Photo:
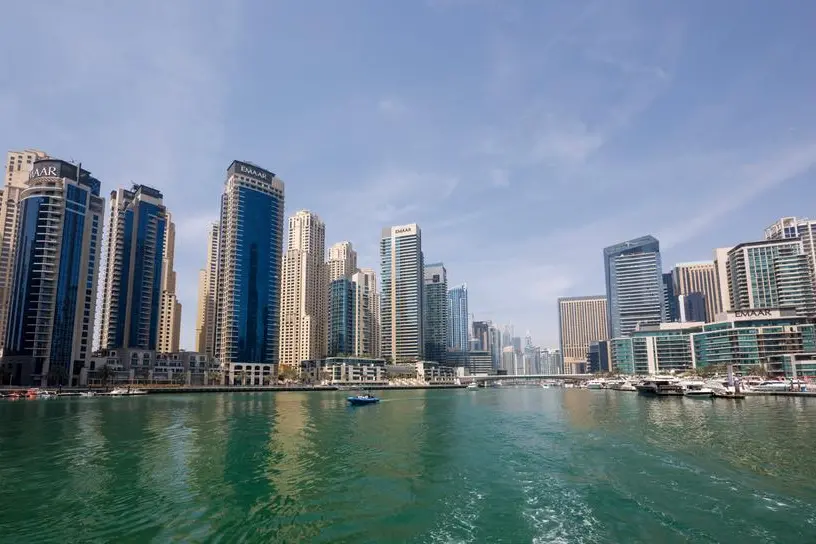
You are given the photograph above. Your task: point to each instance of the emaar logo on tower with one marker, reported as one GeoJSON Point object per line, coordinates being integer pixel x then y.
{"type": "Point", "coordinates": [254, 172]}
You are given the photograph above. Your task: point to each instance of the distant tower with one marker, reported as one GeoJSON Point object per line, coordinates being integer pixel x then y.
{"type": "Point", "coordinates": [366, 309]}
{"type": "Point", "coordinates": [170, 311]}
{"type": "Point", "coordinates": [634, 285]}
{"type": "Point", "coordinates": [458, 335]}
{"type": "Point", "coordinates": [341, 266]}
{"type": "Point", "coordinates": [207, 293]}
{"type": "Point", "coordinates": [435, 310]}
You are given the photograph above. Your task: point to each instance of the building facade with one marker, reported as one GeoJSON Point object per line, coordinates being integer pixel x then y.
{"type": "Point", "coordinates": [481, 334]}
{"type": "Point", "coordinates": [797, 228]}
{"type": "Point", "coordinates": [702, 278]}
{"type": "Point", "coordinates": [634, 285]}
{"type": "Point", "coordinates": [342, 261]}
{"type": "Point", "coordinates": [401, 262]}
{"type": "Point", "coordinates": [170, 307]}
{"type": "Point", "coordinates": [17, 169]}
{"type": "Point", "coordinates": [692, 307]}
{"type": "Point", "coordinates": [749, 340]}
{"type": "Point", "coordinates": [495, 346]}
{"type": "Point", "coordinates": [770, 274]}
{"type": "Point", "coordinates": [581, 321]}
{"type": "Point", "coordinates": [304, 296]}
{"type": "Point", "coordinates": [341, 318]}
{"type": "Point", "coordinates": [53, 289]}
{"type": "Point", "coordinates": [249, 264]}
{"type": "Point", "coordinates": [435, 312]}
{"type": "Point", "coordinates": [366, 324]}
{"type": "Point", "coordinates": [207, 295]}
{"type": "Point", "coordinates": [671, 312]}
{"type": "Point", "coordinates": [132, 289]}
{"type": "Point", "coordinates": [458, 319]}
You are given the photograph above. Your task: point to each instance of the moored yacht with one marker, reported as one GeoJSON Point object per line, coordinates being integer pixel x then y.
{"type": "Point", "coordinates": [661, 386]}
{"type": "Point", "coordinates": [697, 389]}
{"type": "Point", "coordinates": [596, 384]}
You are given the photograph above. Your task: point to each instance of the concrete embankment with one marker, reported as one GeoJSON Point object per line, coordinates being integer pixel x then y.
{"type": "Point", "coordinates": [781, 393]}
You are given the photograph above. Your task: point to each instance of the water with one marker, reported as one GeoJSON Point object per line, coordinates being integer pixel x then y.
{"type": "Point", "coordinates": [502, 465]}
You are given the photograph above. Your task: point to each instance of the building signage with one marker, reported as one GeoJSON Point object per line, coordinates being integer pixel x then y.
{"type": "Point", "coordinates": [754, 313]}
{"type": "Point", "coordinates": [402, 230]}
{"type": "Point", "coordinates": [53, 169]}
{"type": "Point", "coordinates": [250, 170]}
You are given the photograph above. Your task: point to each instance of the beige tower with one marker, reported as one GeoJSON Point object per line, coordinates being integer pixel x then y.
{"type": "Point", "coordinates": [366, 313]}
{"type": "Point", "coordinates": [170, 310]}
{"type": "Point", "coordinates": [342, 261]}
{"type": "Point", "coordinates": [304, 293]}
{"type": "Point", "coordinates": [18, 166]}
{"type": "Point", "coordinates": [699, 278]}
{"type": "Point", "coordinates": [581, 321]}
{"type": "Point", "coordinates": [721, 271]}
{"type": "Point", "coordinates": [207, 283]}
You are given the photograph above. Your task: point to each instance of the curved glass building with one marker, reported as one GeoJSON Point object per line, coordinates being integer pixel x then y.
{"type": "Point", "coordinates": [51, 310]}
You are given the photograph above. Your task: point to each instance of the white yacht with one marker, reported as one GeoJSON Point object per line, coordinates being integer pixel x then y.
{"type": "Point", "coordinates": [697, 389]}
{"type": "Point", "coordinates": [472, 385]}
{"type": "Point", "coordinates": [596, 384]}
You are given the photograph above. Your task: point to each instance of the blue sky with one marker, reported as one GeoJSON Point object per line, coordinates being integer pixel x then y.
{"type": "Point", "coordinates": [523, 137]}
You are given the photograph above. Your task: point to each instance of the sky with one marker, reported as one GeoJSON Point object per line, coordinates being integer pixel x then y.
{"type": "Point", "coordinates": [523, 137]}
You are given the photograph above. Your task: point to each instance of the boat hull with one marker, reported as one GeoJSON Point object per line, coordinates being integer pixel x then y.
{"type": "Point", "coordinates": [359, 401]}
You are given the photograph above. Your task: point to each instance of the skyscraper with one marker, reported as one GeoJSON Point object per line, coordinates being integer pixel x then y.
{"type": "Point", "coordinates": [341, 266]}
{"type": "Point", "coordinates": [131, 303]}
{"type": "Point", "coordinates": [771, 274]}
{"type": "Point", "coordinates": [435, 312]}
{"type": "Point", "coordinates": [495, 346]}
{"type": "Point", "coordinates": [366, 327]}
{"type": "Point", "coordinates": [721, 270]}
{"type": "Point", "coordinates": [170, 311]}
{"type": "Point", "coordinates": [581, 321]}
{"type": "Point", "coordinates": [671, 311]}
{"type": "Point", "coordinates": [634, 288]}
{"type": "Point", "coordinates": [458, 327]}
{"type": "Point", "coordinates": [18, 166]}
{"type": "Point", "coordinates": [481, 333]}
{"type": "Point", "coordinates": [53, 291]}
{"type": "Point", "coordinates": [249, 263]}
{"type": "Point", "coordinates": [699, 277]}
{"type": "Point", "coordinates": [796, 227]}
{"type": "Point", "coordinates": [207, 295]}
{"type": "Point", "coordinates": [304, 297]}
{"type": "Point", "coordinates": [342, 261]}
{"type": "Point", "coordinates": [401, 262]}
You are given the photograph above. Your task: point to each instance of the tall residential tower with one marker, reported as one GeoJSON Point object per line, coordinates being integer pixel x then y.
{"type": "Point", "coordinates": [304, 298]}
{"type": "Point", "coordinates": [634, 285]}
{"type": "Point", "coordinates": [366, 326]}
{"type": "Point", "coordinates": [435, 311]}
{"type": "Point", "coordinates": [132, 292]}
{"type": "Point", "coordinates": [207, 293]}
{"type": "Point", "coordinates": [401, 262]}
{"type": "Point", "coordinates": [18, 168]}
{"type": "Point", "coordinates": [53, 291]}
{"type": "Point", "coordinates": [249, 263]}
{"type": "Point", "coordinates": [581, 321]}
{"type": "Point", "coordinates": [458, 319]}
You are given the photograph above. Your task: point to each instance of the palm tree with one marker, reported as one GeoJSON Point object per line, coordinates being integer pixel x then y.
{"type": "Point", "coordinates": [105, 374]}
{"type": "Point", "coordinates": [214, 376]}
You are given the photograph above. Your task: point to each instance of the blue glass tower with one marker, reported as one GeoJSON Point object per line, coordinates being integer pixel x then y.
{"type": "Point", "coordinates": [51, 312]}
{"type": "Point", "coordinates": [132, 291]}
{"type": "Point", "coordinates": [458, 335]}
{"type": "Point", "coordinates": [341, 317]}
{"type": "Point", "coordinates": [249, 267]}
{"type": "Point", "coordinates": [634, 285]}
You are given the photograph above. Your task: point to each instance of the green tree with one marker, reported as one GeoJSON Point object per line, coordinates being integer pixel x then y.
{"type": "Point", "coordinates": [105, 375]}
{"type": "Point", "coordinates": [214, 377]}
{"type": "Point", "coordinates": [287, 373]}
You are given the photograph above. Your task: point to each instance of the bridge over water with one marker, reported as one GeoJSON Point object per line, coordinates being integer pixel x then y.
{"type": "Point", "coordinates": [467, 379]}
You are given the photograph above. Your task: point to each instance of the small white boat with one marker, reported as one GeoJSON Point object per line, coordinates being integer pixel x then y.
{"type": "Point", "coordinates": [117, 392]}
{"type": "Point", "coordinates": [545, 386]}
{"type": "Point", "coordinates": [596, 384]}
{"type": "Point", "coordinates": [698, 392]}
{"type": "Point", "coordinates": [137, 392]}
{"type": "Point", "coordinates": [87, 394]}
{"type": "Point", "coordinates": [473, 385]}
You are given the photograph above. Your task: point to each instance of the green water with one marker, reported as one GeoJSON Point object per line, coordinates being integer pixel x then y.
{"type": "Point", "coordinates": [503, 465]}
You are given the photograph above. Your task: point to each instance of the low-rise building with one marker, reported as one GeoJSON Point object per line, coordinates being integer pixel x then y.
{"type": "Point", "coordinates": [747, 339]}
{"type": "Point", "coordinates": [149, 366]}
{"type": "Point", "coordinates": [345, 371]}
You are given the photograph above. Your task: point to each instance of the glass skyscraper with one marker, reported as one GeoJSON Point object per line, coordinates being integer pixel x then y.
{"type": "Point", "coordinates": [341, 318]}
{"type": "Point", "coordinates": [51, 310]}
{"type": "Point", "coordinates": [634, 285]}
{"type": "Point", "coordinates": [436, 312]}
{"type": "Point", "coordinates": [458, 327]}
{"type": "Point", "coordinates": [401, 318]}
{"type": "Point", "coordinates": [249, 264]}
{"type": "Point", "coordinates": [133, 280]}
